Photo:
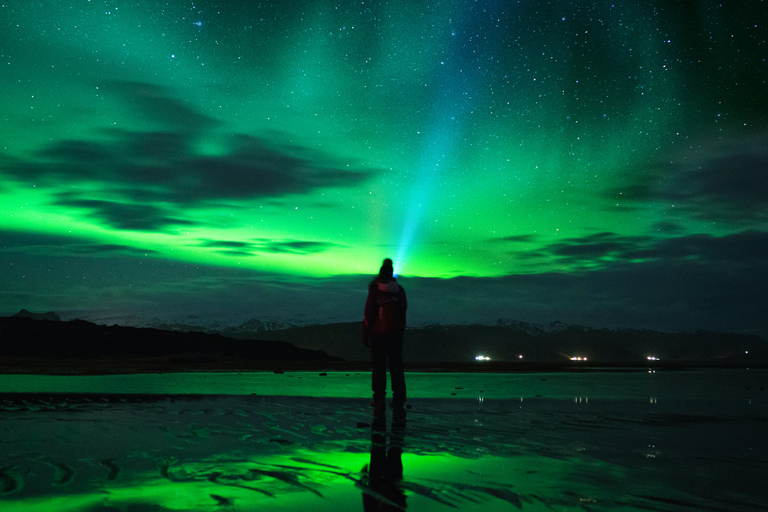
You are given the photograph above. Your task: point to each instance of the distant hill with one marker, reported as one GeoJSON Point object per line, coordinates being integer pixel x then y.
{"type": "Point", "coordinates": [38, 316]}
{"type": "Point", "coordinates": [241, 342]}
{"type": "Point", "coordinates": [32, 340]}
{"type": "Point", "coordinates": [556, 343]}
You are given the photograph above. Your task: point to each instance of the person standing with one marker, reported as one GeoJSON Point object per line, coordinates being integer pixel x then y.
{"type": "Point", "coordinates": [383, 329]}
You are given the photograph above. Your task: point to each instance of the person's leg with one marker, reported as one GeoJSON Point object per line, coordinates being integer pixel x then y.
{"type": "Point", "coordinates": [395, 356]}
{"type": "Point", "coordinates": [379, 371]}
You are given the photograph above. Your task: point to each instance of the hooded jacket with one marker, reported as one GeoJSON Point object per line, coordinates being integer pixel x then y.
{"type": "Point", "coordinates": [381, 291]}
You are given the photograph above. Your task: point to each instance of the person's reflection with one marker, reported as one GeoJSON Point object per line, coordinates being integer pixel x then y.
{"type": "Point", "coordinates": [382, 477]}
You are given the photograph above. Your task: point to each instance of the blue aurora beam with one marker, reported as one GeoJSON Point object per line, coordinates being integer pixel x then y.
{"type": "Point", "coordinates": [457, 86]}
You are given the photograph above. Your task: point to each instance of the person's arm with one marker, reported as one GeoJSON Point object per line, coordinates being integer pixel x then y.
{"type": "Point", "coordinates": [370, 315]}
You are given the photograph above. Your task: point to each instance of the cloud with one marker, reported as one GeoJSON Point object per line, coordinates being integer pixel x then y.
{"type": "Point", "coordinates": [263, 245]}
{"type": "Point", "coordinates": [671, 228]}
{"type": "Point", "coordinates": [597, 247]}
{"type": "Point", "coordinates": [33, 244]}
{"type": "Point", "coordinates": [606, 248]}
{"type": "Point", "coordinates": [155, 104]}
{"type": "Point", "coordinates": [133, 171]}
{"type": "Point", "coordinates": [132, 217]}
{"type": "Point", "coordinates": [721, 289]}
{"type": "Point", "coordinates": [226, 244]}
{"type": "Point", "coordinates": [745, 247]}
{"type": "Point", "coordinates": [296, 246]}
{"type": "Point", "coordinates": [515, 238]}
{"type": "Point", "coordinates": [724, 181]}
{"type": "Point", "coordinates": [671, 295]}
{"type": "Point", "coordinates": [165, 167]}
{"type": "Point", "coordinates": [118, 175]}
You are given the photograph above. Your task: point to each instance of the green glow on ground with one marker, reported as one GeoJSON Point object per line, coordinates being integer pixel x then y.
{"type": "Point", "coordinates": [432, 482]}
{"type": "Point", "coordinates": [610, 449]}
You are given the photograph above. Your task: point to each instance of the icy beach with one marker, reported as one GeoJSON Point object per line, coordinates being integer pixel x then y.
{"type": "Point", "coordinates": [662, 441]}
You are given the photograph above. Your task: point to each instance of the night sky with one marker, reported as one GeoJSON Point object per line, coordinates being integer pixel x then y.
{"type": "Point", "coordinates": [595, 163]}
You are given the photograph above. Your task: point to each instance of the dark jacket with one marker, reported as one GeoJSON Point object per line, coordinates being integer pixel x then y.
{"type": "Point", "coordinates": [379, 292]}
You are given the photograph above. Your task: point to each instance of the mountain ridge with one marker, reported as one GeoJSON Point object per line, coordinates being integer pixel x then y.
{"type": "Point", "coordinates": [43, 342]}
{"type": "Point", "coordinates": [548, 344]}
{"type": "Point", "coordinates": [502, 340]}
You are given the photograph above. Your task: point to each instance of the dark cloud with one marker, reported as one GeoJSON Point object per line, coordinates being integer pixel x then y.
{"type": "Point", "coordinates": [599, 246]}
{"type": "Point", "coordinates": [139, 169]}
{"type": "Point", "coordinates": [132, 217]}
{"type": "Point", "coordinates": [687, 282]}
{"type": "Point", "coordinates": [226, 244]}
{"type": "Point", "coordinates": [606, 248]}
{"type": "Point", "coordinates": [515, 238]}
{"type": "Point", "coordinates": [296, 246]}
{"type": "Point", "coordinates": [136, 168]}
{"type": "Point", "coordinates": [732, 188]}
{"type": "Point", "coordinates": [670, 295]}
{"type": "Point", "coordinates": [725, 181]}
{"type": "Point", "coordinates": [745, 247]}
{"type": "Point", "coordinates": [263, 245]}
{"type": "Point", "coordinates": [671, 228]}
{"type": "Point", "coordinates": [32, 244]}
{"type": "Point", "coordinates": [156, 104]}
{"type": "Point", "coordinates": [230, 247]}
{"type": "Point", "coordinates": [109, 249]}
{"type": "Point", "coordinates": [721, 289]}
{"type": "Point", "coordinates": [156, 166]}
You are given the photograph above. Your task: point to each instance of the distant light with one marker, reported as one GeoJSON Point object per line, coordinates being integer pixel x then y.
{"type": "Point", "coordinates": [482, 358]}
{"type": "Point", "coordinates": [577, 358]}
{"type": "Point", "coordinates": [652, 358]}
{"type": "Point", "coordinates": [520, 356]}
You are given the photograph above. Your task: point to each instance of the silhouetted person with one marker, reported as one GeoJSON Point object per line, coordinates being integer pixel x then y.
{"type": "Point", "coordinates": [383, 328]}
{"type": "Point", "coordinates": [381, 478]}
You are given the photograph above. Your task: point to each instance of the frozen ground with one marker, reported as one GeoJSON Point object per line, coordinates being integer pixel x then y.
{"type": "Point", "coordinates": [662, 441]}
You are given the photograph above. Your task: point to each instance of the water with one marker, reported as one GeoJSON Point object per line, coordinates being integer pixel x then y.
{"type": "Point", "coordinates": [622, 385]}
{"type": "Point", "coordinates": [664, 441]}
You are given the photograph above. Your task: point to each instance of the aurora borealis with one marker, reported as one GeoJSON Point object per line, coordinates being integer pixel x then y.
{"type": "Point", "coordinates": [599, 163]}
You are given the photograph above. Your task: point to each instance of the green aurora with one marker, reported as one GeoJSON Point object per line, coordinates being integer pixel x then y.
{"type": "Point", "coordinates": [142, 142]}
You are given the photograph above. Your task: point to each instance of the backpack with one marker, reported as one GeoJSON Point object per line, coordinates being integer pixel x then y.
{"type": "Point", "coordinates": [391, 316]}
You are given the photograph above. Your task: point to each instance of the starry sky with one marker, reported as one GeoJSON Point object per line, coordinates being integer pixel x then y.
{"type": "Point", "coordinates": [596, 163]}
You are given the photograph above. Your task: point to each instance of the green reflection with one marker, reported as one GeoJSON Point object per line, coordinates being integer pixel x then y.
{"type": "Point", "coordinates": [215, 453]}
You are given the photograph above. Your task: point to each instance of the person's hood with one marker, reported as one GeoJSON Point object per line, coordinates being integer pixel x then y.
{"type": "Point", "coordinates": [389, 287]}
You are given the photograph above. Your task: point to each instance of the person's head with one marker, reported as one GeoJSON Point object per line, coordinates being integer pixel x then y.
{"type": "Point", "coordinates": [386, 271]}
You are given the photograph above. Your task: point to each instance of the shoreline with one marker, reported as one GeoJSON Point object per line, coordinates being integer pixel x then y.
{"type": "Point", "coordinates": [192, 364]}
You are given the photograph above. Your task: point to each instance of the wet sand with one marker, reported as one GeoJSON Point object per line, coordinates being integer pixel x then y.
{"type": "Point", "coordinates": [681, 449]}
